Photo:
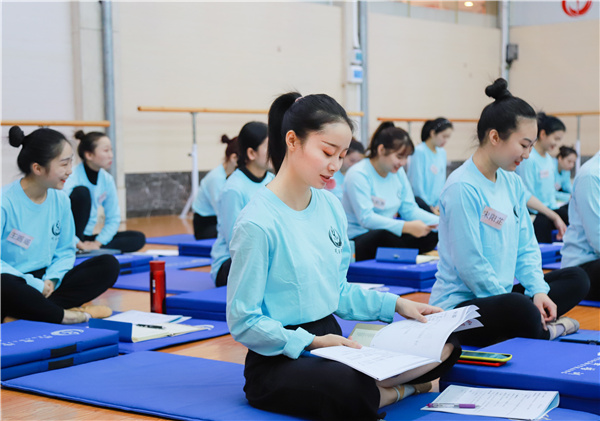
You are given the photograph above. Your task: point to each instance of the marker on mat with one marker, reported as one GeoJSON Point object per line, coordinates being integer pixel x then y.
{"type": "Point", "coordinates": [452, 405]}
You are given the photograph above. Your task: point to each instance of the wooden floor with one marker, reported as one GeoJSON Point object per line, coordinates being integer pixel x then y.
{"type": "Point", "coordinates": [23, 406]}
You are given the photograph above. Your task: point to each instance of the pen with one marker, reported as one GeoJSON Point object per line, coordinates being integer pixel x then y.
{"type": "Point", "coordinates": [452, 405]}
{"type": "Point", "coordinates": [151, 326]}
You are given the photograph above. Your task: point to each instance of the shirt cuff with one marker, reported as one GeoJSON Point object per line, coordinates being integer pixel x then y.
{"type": "Point", "coordinates": [544, 289]}
{"type": "Point", "coordinates": [298, 340]}
{"type": "Point", "coordinates": [388, 307]}
{"type": "Point", "coordinates": [35, 283]}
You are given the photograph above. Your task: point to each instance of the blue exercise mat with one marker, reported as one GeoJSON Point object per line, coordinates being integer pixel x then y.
{"type": "Point", "coordinates": [583, 336]}
{"type": "Point", "coordinates": [30, 347]}
{"type": "Point", "coordinates": [418, 276]}
{"type": "Point", "coordinates": [208, 304]}
{"type": "Point", "coordinates": [551, 266]}
{"type": "Point", "coordinates": [171, 240]}
{"type": "Point", "coordinates": [550, 252]}
{"type": "Point", "coordinates": [588, 303]}
{"type": "Point", "coordinates": [184, 262]}
{"type": "Point", "coordinates": [348, 325]}
{"type": "Point", "coordinates": [196, 248]}
{"type": "Point", "coordinates": [177, 281]}
{"type": "Point", "coordinates": [569, 368]}
{"type": "Point", "coordinates": [187, 388]}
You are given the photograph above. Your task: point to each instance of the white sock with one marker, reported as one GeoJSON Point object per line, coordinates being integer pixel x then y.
{"type": "Point", "coordinates": [555, 330]}
{"type": "Point", "coordinates": [408, 390]}
{"type": "Point", "coordinates": [88, 316]}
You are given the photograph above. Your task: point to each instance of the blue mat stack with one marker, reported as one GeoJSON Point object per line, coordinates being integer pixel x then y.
{"type": "Point", "coordinates": [32, 347]}
{"type": "Point", "coordinates": [572, 369]}
{"type": "Point", "coordinates": [200, 248]}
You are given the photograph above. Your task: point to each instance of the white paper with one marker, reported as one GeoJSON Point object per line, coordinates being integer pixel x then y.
{"type": "Point", "coordinates": [422, 258]}
{"type": "Point", "coordinates": [143, 317]}
{"type": "Point", "coordinates": [501, 403]}
{"type": "Point", "coordinates": [367, 286]}
{"type": "Point", "coordinates": [161, 252]}
{"type": "Point", "coordinates": [377, 363]}
{"type": "Point", "coordinates": [426, 339]}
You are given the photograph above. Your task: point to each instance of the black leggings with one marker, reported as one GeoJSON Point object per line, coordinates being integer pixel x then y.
{"type": "Point", "coordinates": [513, 315]}
{"type": "Point", "coordinates": [593, 271]}
{"type": "Point", "coordinates": [366, 244]}
{"type": "Point", "coordinates": [205, 226]}
{"type": "Point", "coordinates": [317, 387]}
{"type": "Point", "coordinates": [543, 226]}
{"type": "Point", "coordinates": [81, 206]}
{"type": "Point", "coordinates": [80, 285]}
{"type": "Point", "coordinates": [223, 273]}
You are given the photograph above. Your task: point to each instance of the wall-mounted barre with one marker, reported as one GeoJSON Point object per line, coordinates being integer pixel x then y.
{"type": "Point", "coordinates": [219, 110]}
{"type": "Point", "coordinates": [47, 123]}
{"type": "Point", "coordinates": [194, 111]}
{"type": "Point", "coordinates": [577, 114]}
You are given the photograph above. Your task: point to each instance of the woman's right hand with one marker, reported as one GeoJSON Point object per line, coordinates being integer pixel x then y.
{"type": "Point", "coordinates": [416, 228]}
{"type": "Point", "coordinates": [560, 225]}
{"type": "Point", "coordinates": [48, 288]}
{"type": "Point", "coordinates": [332, 340]}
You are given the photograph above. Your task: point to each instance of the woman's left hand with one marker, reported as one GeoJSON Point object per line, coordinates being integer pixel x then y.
{"type": "Point", "coordinates": [415, 310]}
{"type": "Point", "coordinates": [547, 308]}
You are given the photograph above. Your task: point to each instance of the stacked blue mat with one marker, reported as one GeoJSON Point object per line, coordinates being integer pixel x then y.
{"type": "Point", "coordinates": [389, 270]}
{"type": "Point", "coordinates": [186, 388]}
{"type": "Point", "coordinates": [200, 248]}
{"type": "Point", "coordinates": [572, 369]}
{"type": "Point", "coordinates": [129, 263]}
{"type": "Point", "coordinates": [32, 347]}
{"type": "Point", "coordinates": [211, 304]}
{"type": "Point", "coordinates": [550, 253]}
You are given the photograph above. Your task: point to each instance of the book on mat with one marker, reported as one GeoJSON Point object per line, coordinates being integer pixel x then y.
{"type": "Point", "coordinates": [138, 326]}
{"type": "Point", "coordinates": [491, 402]}
{"type": "Point", "coordinates": [389, 350]}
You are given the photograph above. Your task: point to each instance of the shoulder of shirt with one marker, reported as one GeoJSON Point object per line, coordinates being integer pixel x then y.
{"type": "Point", "coordinates": [358, 169]}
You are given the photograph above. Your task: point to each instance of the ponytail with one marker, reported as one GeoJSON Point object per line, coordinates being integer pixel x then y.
{"type": "Point", "coordinates": [302, 115]}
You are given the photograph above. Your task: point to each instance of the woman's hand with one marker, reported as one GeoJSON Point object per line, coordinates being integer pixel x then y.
{"type": "Point", "coordinates": [560, 225]}
{"type": "Point", "coordinates": [332, 340]}
{"type": "Point", "coordinates": [416, 228]}
{"type": "Point", "coordinates": [414, 310]}
{"type": "Point", "coordinates": [48, 288]}
{"type": "Point", "coordinates": [546, 307]}
{"type": "Point", "coordinates": [89, 245]}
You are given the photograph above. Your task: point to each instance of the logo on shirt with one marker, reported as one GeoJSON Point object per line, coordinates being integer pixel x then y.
{"type": "Point", "coordinates": [335, 238]}
{"type": "Point", "coordinates": [56, 229]}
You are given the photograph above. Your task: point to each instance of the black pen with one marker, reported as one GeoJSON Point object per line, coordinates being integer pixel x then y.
{"type": "Point", "coordinates": [151, 326]}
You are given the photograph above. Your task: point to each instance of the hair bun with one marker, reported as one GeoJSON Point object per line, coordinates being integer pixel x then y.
{"type": "Point", "coordinates": [498, 90]}
{"type": "Point", "coordinates": [225, 139]}
{"type": "Point", "coordinates": [16, 136]}
{"type": "Point", "coordinates": [79, 134]}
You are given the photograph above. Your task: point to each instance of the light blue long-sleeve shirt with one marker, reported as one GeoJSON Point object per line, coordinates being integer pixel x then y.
{"type": "Point", "coordinates": [103, 193]}
{"type": "Point", "coordinates": [338, 190]}
{"type": "Point", "coordinates": [582, 239]}
{"type": "Point", "coordinates": [211, 186]}
{"type": "Point", "coordinates": [36, 236]}
{"type": "Point", "coordinates": [371, 201]}
{"type": "Point", "coordinates": [289, 267]}
{"type": "Point", "coordinates": [562, 183]}
{"type": "Point", "coordinates": [236, 194]}
{"type": "Point", "coordinates": [478, 260]}
{"type": "Point", "coordinates": [427, 173]}
{"type": "Point", "coordinates": [537, 173]}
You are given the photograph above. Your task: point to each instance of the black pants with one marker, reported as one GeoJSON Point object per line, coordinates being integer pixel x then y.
{"type": "Point", "coordinates": [205, 226]}
{"type": "Point", "coordinates": [513, 315]}
{"type": "Point", "coordinates": [366, 244]}
{"type": "Point", "coordinates": [543, 226]}
{"type": "Point", "coordinates": [223, 273]}
{"type": "Point", "coordinates": [81, 206]}
{"type": "Point", "coordinates": [593, 271]}
{"type": "Point", "coordinates": [317, 387]}
{"type": "Point", "coordinates": [422, 204]}
{"type": "Point", "coordinates": [80, 285]}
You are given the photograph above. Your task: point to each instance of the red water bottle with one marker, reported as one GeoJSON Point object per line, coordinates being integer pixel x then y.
{"type": "Point", "coordinates": [158, 289]}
